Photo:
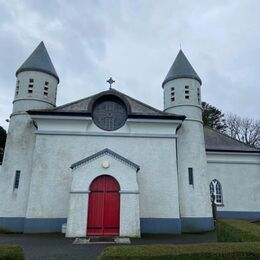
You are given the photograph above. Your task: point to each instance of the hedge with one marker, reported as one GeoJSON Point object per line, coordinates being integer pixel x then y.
{"type": "Point", "coordinates": [237, 231]}
{"type": "Point", "coordinates": [214, 251]}
{"type": "Point", "coordinates": [11, 252]}
{"type": "Point", "coordinates": [4, 231]}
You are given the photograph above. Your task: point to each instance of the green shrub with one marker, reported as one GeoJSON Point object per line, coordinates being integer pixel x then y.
{"type": "Point", "coordinates": [4, 231]}
{"type": "Point", "coordinates": [237, 231]}
{"type": "Point", "coordinates": [213, 251]}
{"type": "Point", "coordinates": [11, 252]}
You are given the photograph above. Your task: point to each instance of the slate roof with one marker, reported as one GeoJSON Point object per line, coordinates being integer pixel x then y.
{"type": "Point", "coordinates": [39, 60]}
{"type": "Point", "coordinates": [181, 68]}
{"type": "Point", "coordinates": [216, 141]}
{"type": "Point", "coordinates": [83, 107]}
{"type": "Point", "coordinates": [103, 152]}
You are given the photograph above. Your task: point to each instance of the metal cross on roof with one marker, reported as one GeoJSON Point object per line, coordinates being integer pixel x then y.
{"type": "Point", "coordinates": [110, 81]}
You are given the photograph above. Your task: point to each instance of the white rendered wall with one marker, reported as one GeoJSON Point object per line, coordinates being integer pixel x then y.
{"type": "Point", "coordinates": [17, 157]}
{"type": "Point", "coordinates": [239, 175]}
{"type": "Point", "coordinates": [55, 151]}
{"type": "Point", "coordinates": [20, 141]}
{"type": "Point", "coordinates": [25, 101]}
{"type": "Point", "coordinates": [189, 107]}
{"type": "Point", "coordinates": [194, 199]}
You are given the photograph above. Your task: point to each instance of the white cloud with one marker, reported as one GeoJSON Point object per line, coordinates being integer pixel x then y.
{"type": "Point", "coordinates": [136, 43]}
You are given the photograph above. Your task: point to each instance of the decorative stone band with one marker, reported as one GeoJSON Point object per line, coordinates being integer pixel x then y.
{"type": "Point", "coordinates": [83, 118]}
{"type": "Point", "coordinates": [185, 105]}
{"type": "Point", "coordinates": [36, 99]}
{"type": "Point", "coordinates": [135, 135]}
{"type": "Point", "coordinates": [232, 162]}
{"type": "Point", "coordinates": [154, 121]}
{"type": "Point", "coordinates": [193, 120]}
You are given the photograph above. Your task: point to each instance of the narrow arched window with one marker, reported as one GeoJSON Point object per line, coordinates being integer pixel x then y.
{"type": "Point", "coordinates": [215, 188]}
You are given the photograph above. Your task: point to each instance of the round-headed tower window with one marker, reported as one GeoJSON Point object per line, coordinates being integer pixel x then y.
{"type": "Point", "coordinates": [109, 113]}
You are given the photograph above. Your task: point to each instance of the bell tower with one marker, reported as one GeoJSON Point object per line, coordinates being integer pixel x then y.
{"type": "Point", "coordinates": [182, 95]}
{"type": "Point", "coordinates": [36, 88]}
{"type": "Point", "coordinates": [37, 81]}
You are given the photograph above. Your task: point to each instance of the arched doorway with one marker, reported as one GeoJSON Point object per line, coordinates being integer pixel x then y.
{"type": "Point", "coordinates": [103, 207]}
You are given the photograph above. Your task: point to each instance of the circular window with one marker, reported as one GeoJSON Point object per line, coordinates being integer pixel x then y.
{"type": "Point", "coordinates": [109, 113]}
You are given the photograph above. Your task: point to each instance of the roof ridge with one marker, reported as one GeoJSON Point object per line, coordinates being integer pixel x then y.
{"type": "Point", "coordinates": [232, 138]}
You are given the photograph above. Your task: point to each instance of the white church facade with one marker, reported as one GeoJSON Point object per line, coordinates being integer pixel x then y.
{"type": "Point", "coordinates": [109, 164]}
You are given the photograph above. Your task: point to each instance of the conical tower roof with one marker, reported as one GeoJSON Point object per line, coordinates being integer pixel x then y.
{"type": "Point", "coordinates": [181, 68]}
{"type": "Point", "coordinates": [39, 60]}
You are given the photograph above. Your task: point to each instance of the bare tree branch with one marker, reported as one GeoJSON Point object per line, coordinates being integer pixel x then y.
{"type": "Point", "coordinates": [246, 130]}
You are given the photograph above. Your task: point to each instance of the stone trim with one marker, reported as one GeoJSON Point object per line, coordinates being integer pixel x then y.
{"type": "Point", "coordinates": [57, 117]}
{"type": "Point", "coordinates": [232, 152]}
{"type": "Point", "coordinates": [103, 152]}
{"type": "Point", "coordinates": [184, 105]}
{"type": "Point", "coordinates": [193, 120]}
{"type": "Point", "coordinates": [232, 162]}
{"type": "Point", "coordinates": [36, 99]}
{"type": "Point", "coordinates": [103, 134]}
{"type": "Point", "coordinates": [161, 121]}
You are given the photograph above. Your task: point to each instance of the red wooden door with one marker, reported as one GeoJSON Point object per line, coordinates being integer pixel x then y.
{"type": "Point", "coordinates": [104, 207]}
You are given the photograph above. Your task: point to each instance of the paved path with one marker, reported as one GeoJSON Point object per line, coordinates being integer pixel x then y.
{"type": "Point", "coordinates": [51, 246]}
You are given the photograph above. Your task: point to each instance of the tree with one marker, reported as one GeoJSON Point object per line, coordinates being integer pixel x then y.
{"type": "Point", "coordinates": [246, 130]}
{"type": "Point", "coordinates": [213, 117]}
{"type": "Point", "coordinates": [2, 142]}
{"type": "Point", "coordinates": [2, 137]}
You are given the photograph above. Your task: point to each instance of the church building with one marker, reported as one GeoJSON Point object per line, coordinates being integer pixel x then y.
{"type": "Point", "coordinates": [109, 164]}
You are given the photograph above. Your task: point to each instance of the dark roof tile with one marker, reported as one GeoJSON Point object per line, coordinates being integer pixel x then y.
{"type": "Point", "coordinates": [39, 60]}
{"type": "Point", "coordinates": [216, 141]}
{"type": "Point", "coordinates": [137, 108]}
{"type": "Point", "coordinates": [181, 68]}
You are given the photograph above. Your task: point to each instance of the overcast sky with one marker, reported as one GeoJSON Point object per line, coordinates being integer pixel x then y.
{"type": "Point", "coordinates": [136, 42]}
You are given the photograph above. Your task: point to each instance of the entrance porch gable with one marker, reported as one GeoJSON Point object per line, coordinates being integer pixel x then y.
{"type": "Point", "coordinates": [104, 164]}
